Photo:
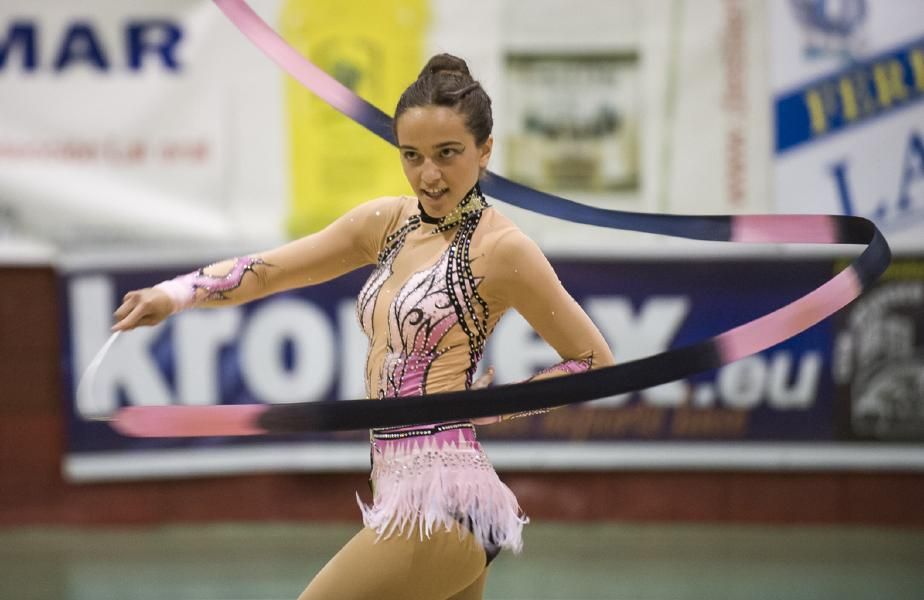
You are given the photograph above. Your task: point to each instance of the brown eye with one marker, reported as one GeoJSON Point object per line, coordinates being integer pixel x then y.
{"type": "Point", "coordinates": [409, 155]}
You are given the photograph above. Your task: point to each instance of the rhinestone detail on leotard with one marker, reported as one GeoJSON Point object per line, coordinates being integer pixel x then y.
{"type": "Point", "coordinates": [428, 304]}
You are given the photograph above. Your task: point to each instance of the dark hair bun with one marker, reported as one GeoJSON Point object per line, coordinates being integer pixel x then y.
{"type": "Point", "coordinates": [445, 63]}
{"type": "Point", "coordinates": [446, 81]}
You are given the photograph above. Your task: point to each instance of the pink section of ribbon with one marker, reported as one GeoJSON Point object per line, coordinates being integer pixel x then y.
{"type": "Point", "coordinates": [793, 318]}
{"type": "Point", "coordinates": [189, 421]}
{"type": "Point", "coordinates": [785, 229]}
{"type": "Point", "coordinates": [326, 87]}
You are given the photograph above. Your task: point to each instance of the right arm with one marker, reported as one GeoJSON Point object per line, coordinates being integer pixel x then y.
{"type": "Point", "coordinates": [348, 243]}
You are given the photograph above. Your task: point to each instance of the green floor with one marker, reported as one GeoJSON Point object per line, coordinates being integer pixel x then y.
{"type": "Point", "coordinates": [566, 562]}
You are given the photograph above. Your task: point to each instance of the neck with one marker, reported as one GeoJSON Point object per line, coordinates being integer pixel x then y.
{"type": "Point", "coordinates": [425, 217]}
{"type": "Point", "coordinates": [472, 202]}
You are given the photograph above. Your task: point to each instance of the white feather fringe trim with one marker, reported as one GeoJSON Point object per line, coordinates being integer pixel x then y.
{"type": "Point", "coordinates": [421, 486]}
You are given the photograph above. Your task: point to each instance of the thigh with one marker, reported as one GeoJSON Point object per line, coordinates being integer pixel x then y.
{"type": "Point", "coordinates": [474, 591]}
{"type": "Point", "coordinates": [399, 567]}
{"type": "Point", "coordinates": [361, 569]}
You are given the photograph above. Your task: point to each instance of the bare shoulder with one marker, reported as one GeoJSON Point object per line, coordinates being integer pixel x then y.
{"type": "Point", "coordinates": [383, 214]}
{"type": "Point", "coordinates": [389, 206]}
{"type": "Point", "coordinates": [368, 225]}
{"type": "Point", "coordinates": [503, 238]}
{"type": "Point", "coordinates": [512, 259]}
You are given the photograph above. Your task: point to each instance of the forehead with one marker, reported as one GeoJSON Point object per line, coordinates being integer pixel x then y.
{"type": "Point", "coordinates": [424, 126]}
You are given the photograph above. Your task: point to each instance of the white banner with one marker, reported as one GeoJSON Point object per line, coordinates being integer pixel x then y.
{"type": "Point", "coordinates": [131, 121]}
{"type": "Point", "coordinates": [848, 84]}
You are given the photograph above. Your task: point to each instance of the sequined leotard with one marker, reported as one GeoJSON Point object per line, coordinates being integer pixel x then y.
{"type": "Point", "coordinates": [438, 290]}
{"type": "Point", "coordinates": [424, 309]}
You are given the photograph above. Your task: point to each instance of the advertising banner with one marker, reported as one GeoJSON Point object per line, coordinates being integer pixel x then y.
{"type": "Point", "coordinates": [155, 124]}
{"type": "Point", "coordinates": [878, 359]}
{"type": "Point", "coordinates": [655, 106]}
{"type": "Point", "coordinates": [848, 86]}
{"type": "Point", "coordinates": [376, 50]}
{"type": "Point", "coordinates": [131, 122]}
{"type": "Point", "coordinates": [306, 345]}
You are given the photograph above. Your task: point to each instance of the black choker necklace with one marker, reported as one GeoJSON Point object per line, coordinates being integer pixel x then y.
{"type": "Point", "coordinates": [473, 201]}
{"type": "Point", "coordinates": [425, 217]}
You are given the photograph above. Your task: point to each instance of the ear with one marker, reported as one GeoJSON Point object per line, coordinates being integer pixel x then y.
{"type": "Point", "coordinates": [485, 152]}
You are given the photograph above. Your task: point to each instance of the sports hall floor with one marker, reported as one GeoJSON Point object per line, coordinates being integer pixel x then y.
{"type": "Point", "coordinates": [560, 561]}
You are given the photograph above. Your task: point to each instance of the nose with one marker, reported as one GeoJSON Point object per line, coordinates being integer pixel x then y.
{"type": "Point", "coordinates": [430, 173]}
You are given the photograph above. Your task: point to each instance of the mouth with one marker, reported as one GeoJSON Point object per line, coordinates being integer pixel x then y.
{"type": "Point", "coordinates": [434, 194]}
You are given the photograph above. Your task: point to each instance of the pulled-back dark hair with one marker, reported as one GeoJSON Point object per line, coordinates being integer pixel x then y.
{"type": "Point", "coordinates": [446, 81]}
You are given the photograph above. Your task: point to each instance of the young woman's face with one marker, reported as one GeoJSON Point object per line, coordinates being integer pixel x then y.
{"type": "Point", "coordinates": [441, 160]}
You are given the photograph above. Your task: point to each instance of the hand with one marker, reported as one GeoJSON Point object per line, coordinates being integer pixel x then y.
{"type": "Point", "coordinates": [148, 307]}
{"type": "Point", "coordinates": [485, 380]}
{"type": "Point", "coordinates": [481, 383]}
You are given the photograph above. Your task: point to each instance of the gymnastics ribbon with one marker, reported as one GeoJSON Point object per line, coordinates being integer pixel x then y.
{"type": "Point", "coordinates": [729, 346]}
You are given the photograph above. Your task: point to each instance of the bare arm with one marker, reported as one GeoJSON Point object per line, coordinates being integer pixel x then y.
{"type": "Point", "coordinates": [347, 244]}
{"type": "Point", "coordinates": [533, 289]}
{"type": "Point", "coordinates": [526, 282]}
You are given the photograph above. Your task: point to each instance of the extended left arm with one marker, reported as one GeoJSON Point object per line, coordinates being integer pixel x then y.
{"type": "Point", "coordinates": [527, 282]}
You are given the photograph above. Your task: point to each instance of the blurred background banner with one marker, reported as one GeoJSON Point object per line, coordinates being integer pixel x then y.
{"type": "Point", "coordinates": [136, 123]}
{"type": "Point", "coordinates": [156, 125]}
{"type": "Point", "coordinates": [878, 363]}
{"type": "Point", "coordinates": [373, 48]}
{"type": "Point", "coordinates": [307, 345]}
{"type": "Point", "coordinates": [848, 87]}
{"type": "Point", "coordinates": [571, 143]}
{"type": "Point", "coordinates": [140, 125]}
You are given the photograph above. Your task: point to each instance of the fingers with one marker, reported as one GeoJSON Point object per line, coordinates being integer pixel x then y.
{"type": "Point", "coordinates": [485, 380]}
{"type": "Point", "coordinates": [132, 319]}
{"type": "Point", "coordinates": [129, 301]}
{"type": "Point", "coordinates": [487, 420]}
{"type": "Point", "coordinates": [137, 309]}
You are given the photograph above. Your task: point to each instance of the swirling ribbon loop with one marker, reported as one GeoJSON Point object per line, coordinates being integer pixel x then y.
{"type": "Point", "coordinates": [714, 352]}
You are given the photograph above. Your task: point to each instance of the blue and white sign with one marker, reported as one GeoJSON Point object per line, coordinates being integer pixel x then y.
{"type": "Point", "coordinates": [848, 80]}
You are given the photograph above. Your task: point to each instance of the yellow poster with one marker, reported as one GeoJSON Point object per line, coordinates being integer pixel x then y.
{"type": "Point", "coordinates": [375, 49]}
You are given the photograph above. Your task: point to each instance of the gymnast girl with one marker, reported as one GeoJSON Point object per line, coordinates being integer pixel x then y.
{"type": "Point", "coordinates": [447, 266]}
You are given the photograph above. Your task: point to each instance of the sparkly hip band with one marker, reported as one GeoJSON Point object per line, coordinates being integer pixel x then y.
{"type": "Point", "coordinates": [441, 432]}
